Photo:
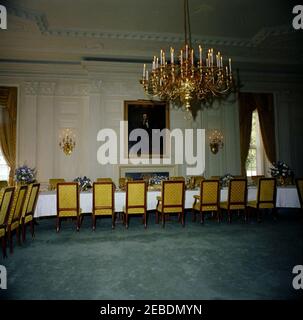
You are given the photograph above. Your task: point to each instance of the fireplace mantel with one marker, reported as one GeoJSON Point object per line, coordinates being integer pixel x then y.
{"type": "Point", "coordinates": [123, 169]}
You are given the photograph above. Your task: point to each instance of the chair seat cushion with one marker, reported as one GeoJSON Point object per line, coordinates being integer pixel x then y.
{"type": "Point", "coordinates": [105, 211]}
{"type": "Point", "coordinates": [159, 198]}
{"type": "Point", "coordinates": [72, 213]}
{"type": "Point", "coordinates": [224, 205]}
{"type": "Point", "coordinates": [253, 204]}
{"type": "Point", "coordinates": [134, 210]}
{"type": "Point", "coordinates": [205, 208]}
{"type": "Point", "coordinates": [169, 209]}
{"type": "Point", "coordinates": [196, 197]}
{"type": "Point", "coordinates": [28, 219]}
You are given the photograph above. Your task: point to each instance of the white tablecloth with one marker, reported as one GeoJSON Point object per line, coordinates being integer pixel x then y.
{"type": "Point", "coordinates": [287, 197]}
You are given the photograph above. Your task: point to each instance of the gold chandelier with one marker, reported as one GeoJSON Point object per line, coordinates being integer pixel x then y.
{"type": "Point", "coordinates": [67, 141]}
{"type": "Point", "coordinates": [187, 79]}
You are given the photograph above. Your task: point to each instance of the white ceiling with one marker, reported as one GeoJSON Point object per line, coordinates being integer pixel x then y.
{"type": "Point", "coordinates": [250, 31]}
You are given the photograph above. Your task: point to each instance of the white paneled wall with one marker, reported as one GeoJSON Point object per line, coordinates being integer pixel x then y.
{"type": "Point", "coordinates": [93, 98]}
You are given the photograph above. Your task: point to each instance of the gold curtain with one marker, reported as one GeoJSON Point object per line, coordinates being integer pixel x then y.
{"type": "Point", "coordinates": [263, 102]}
{"type": "Point", "coordinates": [8, 116]}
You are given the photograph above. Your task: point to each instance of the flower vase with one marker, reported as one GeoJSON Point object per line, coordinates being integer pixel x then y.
{"type": "Point", "coordinates": [282, 181]}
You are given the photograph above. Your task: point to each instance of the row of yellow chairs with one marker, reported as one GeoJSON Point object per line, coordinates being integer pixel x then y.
{"type": "Point", "coordinates": [17, 207]}
{"type": "Point", "coordinates": [170, 201]}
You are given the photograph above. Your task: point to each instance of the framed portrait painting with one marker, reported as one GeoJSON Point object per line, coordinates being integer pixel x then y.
{"type": "Point", "coordinates": [151, 117]}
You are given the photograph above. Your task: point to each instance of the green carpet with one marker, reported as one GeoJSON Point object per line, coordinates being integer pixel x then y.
{"type": "Point", "coordinates": [214, 261]}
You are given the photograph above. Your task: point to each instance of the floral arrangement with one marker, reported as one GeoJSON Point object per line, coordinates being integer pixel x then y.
{"type": "Point", "coordinates": [84, 182]}
{"type": "Point", "coordinates": [157, 179]}
{"type": "Point", "coordinates": [224, 181]}
{"type": "Point", "coordinates": [25, 175]}
{"type": "Point", "coordinates": [282, 171]}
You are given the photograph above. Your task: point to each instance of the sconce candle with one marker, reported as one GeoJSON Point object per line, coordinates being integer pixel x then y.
{"type": "Point", "coordinates": [215, 140]}
{"type": "Point", "coordinates": [67, 141]}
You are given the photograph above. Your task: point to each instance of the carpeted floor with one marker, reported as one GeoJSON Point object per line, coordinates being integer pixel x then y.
{"type": "Point", "coordinates": [214, 261]}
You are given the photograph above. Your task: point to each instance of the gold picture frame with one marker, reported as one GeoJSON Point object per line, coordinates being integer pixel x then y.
{"type": "Point", "coordinates": [136, 112]}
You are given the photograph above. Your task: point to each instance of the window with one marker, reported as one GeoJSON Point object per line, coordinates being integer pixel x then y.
{"type": "Point", "coordinates": [256, 162]}
{"type": "Point", "coordinates": [4, 168]}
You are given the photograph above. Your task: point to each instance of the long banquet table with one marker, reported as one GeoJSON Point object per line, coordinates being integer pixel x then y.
{"type": "Point", "coordinates": [287, 197]}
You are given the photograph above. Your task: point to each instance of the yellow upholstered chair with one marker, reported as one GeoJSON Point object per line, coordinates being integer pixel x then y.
{"type": "Point", "coordinates": [171, 200]}
{"type": "Point", "coordinates": [68, 203]}
{"type": "Point", "coordinates": [6, 200]}
{"type": "Point", "coordinates": [255, 179]}
{"type": "Point", "coordinates": [198, 180]}
{"type": "Point", "coordinates": [52, 183]}
{"type": "Point", "coordinates": [103, 201]}
{"type": "Point", "coordinates": [215, 178]}
{"type": "Point", "coordinates": [208, 200]}
{"type": "Point", "coordinates": [13, 222]}
{"type": "Point", "coordinates": [175, 178]}
{"type": "Point", "coordinates": [266, 196]}
{"type": "Point", "coordinates": [29, 209]}
{"type": "Point", "coordinates": [299, 184]}
{"type": "Point", "coordinates": [104, 180]}
{"type": "Point", "coordinates": [3, 184]}
{"type": "Point", "coordinates": [237, 197]}
{"type": "Point", "coordinates": [135, 201]}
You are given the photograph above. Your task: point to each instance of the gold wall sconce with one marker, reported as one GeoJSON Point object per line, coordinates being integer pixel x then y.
{"type": "Point", "coordinates": [215, 140]}
{"type": "Point", "coordinates": [67, 141]}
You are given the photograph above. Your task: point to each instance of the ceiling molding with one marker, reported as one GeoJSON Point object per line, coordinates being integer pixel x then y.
{"type": "Point", "coordinates": [40, 19]}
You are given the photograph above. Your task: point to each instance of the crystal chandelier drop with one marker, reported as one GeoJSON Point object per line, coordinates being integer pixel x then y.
{"type": "Point", "coordinates": [188, 78]}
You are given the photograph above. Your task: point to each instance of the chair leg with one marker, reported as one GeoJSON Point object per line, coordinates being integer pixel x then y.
{"type": "Point", "coordinates": [229, 216]}
{"type": "Point", "coordinates": [157, 217]}
{"type": "Point", "coordinates": [58, 224]}
{"type": "Point", "coordinates": [78, 223]}
{"type": "Point", "coordinates": [94, 222]}
{"type": "Point", "coordinates": [202, 217]}
{"type": "Point", "coordinates": [126, 220]}
{"type": "Point", "coordinates": [10, 239]}
{"type": "Point", "coordinates": [163, 219]}
{"type": "Point", "coordinates": [4, 246]}
{"type": "Point", "coordinates": [18, 235]}
{"type": "Point", "coordinates": [113, 220]}
{"type": "Point", "coordinates": [23, 226]}
{"type": "Point", "coordinates": [145, 222]}
{"type": "Point", "coordinates": [194, 215]}
{"type": "Point", "coordinates": [259, 218]}
{"type": "Point", "coordinates": [218, 215]}
{"type": "Point", "coordinates": [183, 219]}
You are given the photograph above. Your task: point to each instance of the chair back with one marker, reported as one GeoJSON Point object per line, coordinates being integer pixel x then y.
{"type": "Point", "coordinates": [3, 184]}
{"type": "Point", "coordinates": [6, 200]}
{"type": "Point", "coordinates": [31, 200]}
{"type": "Point", "coordinates": [104, 180]}
{"type": "Point", "coordinates": [237, 193]}
{"type": "Point", "coordinates": [210, 194]}
{"type": "Point", "coordinates": [198, 180]}
{"type": "Point", "coordinates": [173, 194]}
{"type": "Point", "coordinates": [299, 184]}
{"type": "Point", "coordinates": [136, 194]}
{"type": "Point", "coordinates": [175, 178]}
{"type": "Point", "coordinates": [215, 177]}
{"type": "Point", "coordinates": [18, 204]}
{"type": "Point", "coordinates": [103, 197]}
{"type": "Point", "coordinates": [68, 199]}
{"type": "Point", "coordinates": [266, 197]}
{"type": "Point", "coordinates": [53, 183]}
{"type": "Point", "coordinates": [255, 179]}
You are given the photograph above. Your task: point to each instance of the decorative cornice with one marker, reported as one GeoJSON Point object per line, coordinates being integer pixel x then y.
{"type": "Point", "coordinates": [42, 23]}
{"type": "Point", "coordinates": [31, 88]}
{"type": "Point", "coordinates": [47, 88]}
